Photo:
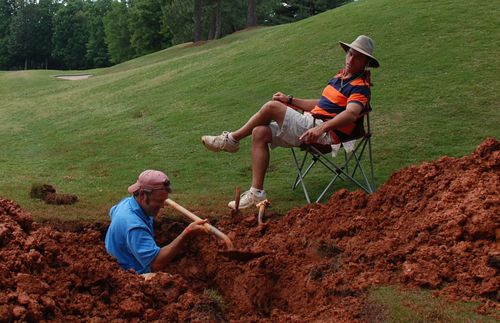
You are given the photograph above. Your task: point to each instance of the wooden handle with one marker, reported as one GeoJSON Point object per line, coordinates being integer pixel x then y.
{"type": "Point", "coordinates": [194, 217]}
{"type": "Point", "coordinates": [262, 208]}
{"type": "Point", "coordinates": [237, 199]}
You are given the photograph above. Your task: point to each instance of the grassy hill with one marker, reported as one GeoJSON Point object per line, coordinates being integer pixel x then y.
{"type": "Point", "coordinates": [435, 94]}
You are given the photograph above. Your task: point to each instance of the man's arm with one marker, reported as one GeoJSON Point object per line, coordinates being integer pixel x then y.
{"type": "Point", "coordinates": [346, 117]}
{"type": "Point", "coordinates": [168, 252]}
{"type": "Point", "coordinates": [302, 104]}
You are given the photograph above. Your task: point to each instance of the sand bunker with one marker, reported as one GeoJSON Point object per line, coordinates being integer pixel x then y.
{"type": "Point", "coordinates": [74, 77]}
{"type": "Point", "coordinates": [434, 226]}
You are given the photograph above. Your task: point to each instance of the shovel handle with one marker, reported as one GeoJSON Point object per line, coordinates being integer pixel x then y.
{"type": "Point", "coordinates": [237, 199]}
{"type": "Point", "coordinates": [213, 230]}
{"type": "Point", "coordinates": [262, 208]}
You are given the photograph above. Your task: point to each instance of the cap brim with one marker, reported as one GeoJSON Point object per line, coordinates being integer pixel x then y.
{"type": "Point", "coordinates": [373, 61]}
{"type": "Point", "coordinates": [134, 187]}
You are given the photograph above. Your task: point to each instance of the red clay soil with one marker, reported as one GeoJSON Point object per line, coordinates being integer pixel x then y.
{"type": "Point", "coordinates": [433, 226]}
{"type": "Point", "coordinates": [48, 193]}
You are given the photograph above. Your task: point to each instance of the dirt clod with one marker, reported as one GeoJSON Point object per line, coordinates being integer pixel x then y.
{"type": "Point", "coordinates": [48, 193]}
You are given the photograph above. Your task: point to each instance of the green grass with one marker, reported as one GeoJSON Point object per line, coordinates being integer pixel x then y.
{"type": "Point", "coordinates": [404, 306]}
{"type": "Point", "coordinates": [435, 94]}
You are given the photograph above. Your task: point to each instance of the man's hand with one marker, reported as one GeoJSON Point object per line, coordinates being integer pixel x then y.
{"type": "Point", "coordinates": [278, 96]}
{"type": "Point", "coordinates": [168, 252]}
{"type": "Point", "coordinates": [346, 117]}
{"type": "Point", "coordinates": [196, 227]}
{"type": "Point", "coordinates": [311, 136]}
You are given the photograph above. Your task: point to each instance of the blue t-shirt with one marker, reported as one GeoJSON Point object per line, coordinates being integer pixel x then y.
{"type": "Point", "coordinates": [130, 236]}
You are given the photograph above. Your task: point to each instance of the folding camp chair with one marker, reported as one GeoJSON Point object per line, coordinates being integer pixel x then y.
{"type": "Point", "coordinates": [349, 168]}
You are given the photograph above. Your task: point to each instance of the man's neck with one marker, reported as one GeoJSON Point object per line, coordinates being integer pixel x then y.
{"type": "Point", "coordinates": [348, 75]}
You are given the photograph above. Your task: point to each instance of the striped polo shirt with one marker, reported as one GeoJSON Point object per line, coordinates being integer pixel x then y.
{"type": "Point", "coordinates": [337, 94]}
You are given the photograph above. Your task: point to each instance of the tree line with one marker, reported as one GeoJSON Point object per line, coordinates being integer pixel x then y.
{"type": "Point", "coordinates": [83, 34]}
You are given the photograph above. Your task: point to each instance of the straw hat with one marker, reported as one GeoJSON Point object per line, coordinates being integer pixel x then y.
{"type": "Point", "coordinates": [364, 45]}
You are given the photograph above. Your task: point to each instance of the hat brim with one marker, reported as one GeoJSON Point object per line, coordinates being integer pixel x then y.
{"type": "Point", "coordinates": [136, 186]}
{"type": "Point", "coordinates": [373, 61]}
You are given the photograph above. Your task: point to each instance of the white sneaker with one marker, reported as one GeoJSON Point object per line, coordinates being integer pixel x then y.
{"type": "Point", "coordinates": [247, 199]}
{"type": "Point", "coordinates": [220, 142]}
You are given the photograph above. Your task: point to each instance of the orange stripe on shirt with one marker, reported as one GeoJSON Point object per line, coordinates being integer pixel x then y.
{"type": "Point", "coordinates": [359, 82]}
{"type": "Point", "coordinates": [358, 97]}
{"type": "Point", "coordinates": [334, 96]}
{"type": "Point", "coordinates": [318, 111]}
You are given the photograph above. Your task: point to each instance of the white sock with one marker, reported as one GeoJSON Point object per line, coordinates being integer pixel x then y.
{"type": "Point", "coordinates": [231, 138]}
{"type": "Point", "coordinates": [257, 192]}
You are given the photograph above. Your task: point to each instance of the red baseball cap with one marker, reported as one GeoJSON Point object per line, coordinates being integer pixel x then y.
{"type": "Point", "coordinates": [151, 180]}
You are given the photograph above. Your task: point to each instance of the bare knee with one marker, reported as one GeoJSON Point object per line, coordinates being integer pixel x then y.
{"type": "Point", "coordinates": [273, 108]}
{"type": "Point", "coordinates": [262, 135]}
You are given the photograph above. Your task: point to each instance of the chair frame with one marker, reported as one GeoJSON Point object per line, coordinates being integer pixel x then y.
{"type": "Point", "coordinates": [341, 171]}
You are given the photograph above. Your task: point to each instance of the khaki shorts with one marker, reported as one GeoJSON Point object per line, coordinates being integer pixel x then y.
{"type": "Point", "coordinates": [294, 125]}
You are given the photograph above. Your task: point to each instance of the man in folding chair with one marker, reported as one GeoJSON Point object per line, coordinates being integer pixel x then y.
{"type": "Point", "coordinates": [277, 124]}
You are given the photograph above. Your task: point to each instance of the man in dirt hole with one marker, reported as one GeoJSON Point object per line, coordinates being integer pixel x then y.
{"type": "Point", "coordinates": [331, 119]}
{"type": "Point", "coordinates": [130, 235]}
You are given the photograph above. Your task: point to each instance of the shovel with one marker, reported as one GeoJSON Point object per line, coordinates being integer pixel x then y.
{"type": "Point", "coordinates": [230, 252]}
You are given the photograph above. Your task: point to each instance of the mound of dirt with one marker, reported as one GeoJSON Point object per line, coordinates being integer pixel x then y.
{"type": "Point", "coordinates": [48, 193]}
{"type": "Point", "coordinates": [433, 226]}
{"type": "Point", "coordinates": [48, 274]}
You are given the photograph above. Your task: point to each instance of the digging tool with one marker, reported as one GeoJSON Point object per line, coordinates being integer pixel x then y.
{"type": "Point", "coordinates": [237, 193]}
{"type": "Point", "coordinates": [262, 208]}
{"type": "Point", "coordinates": [213, 230]}
{"type": "Point", "coordinates": [231, 252]}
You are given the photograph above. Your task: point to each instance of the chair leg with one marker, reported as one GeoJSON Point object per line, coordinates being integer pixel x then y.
{"type": "Point", "coordinates": [369, 188]}
{"type": "Point", "coordinates": [297, 178]}
{"type": "Point", "coordinates": [327, 188]}
{"type": "Point", "coordinates": [304, 174]}
{"type": "Point", "coordinates": [339, 170]}
{"type": "Point", "coordinates": [374, 187]}
{"type": "Point", "coordinates": [342, 171]}
{"type": "Point", "coordinates": [299, 174]}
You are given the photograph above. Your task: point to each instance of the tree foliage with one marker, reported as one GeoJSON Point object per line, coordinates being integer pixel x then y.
{"type": "Point", "coordinates": [97, 54]}
{"type": "Point", "coordinates": [29, 39]}
{"type": "Point", "coordinates": [71, 34]}
{"type": "Point", "coordinates": [7, 11]}
{"type": "Point", "coordinates": [293, 10]}
{"type": "Point", "coordinates": [78, 34]}
{"type": "Point", "coordinates": [145, 24]}
{"type": "Point", "coordinates": [117, 32]}
{"type": "Point", "coordinates": [178, 15]}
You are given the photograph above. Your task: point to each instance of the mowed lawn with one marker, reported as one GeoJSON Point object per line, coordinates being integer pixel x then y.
{"type": "Point", "coordinates": [435, 94]}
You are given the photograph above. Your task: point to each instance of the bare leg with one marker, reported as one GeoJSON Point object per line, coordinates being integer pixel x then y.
{"type": "Point", "coordinates": [261, 136]}
{"type": "Point", "coordinates": [272, 110]}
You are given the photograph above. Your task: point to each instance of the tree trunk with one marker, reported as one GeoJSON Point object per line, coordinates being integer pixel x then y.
{"type": "Point", "coordinates": [197, 20]}
{"type": "Point", "coordinates": [218, 20]}
{"type": "Point", "coordinates": [252, 13]}
{"type": "Point", "coordinates": [25, 63]}
{"type": "Point", "coordinates": [211, 29]}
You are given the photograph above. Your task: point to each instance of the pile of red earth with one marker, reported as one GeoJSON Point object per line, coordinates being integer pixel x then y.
{"type": "Point", "coordinates": [48, 193]}
{"type": "Point", "coordinates": [433, 226]}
